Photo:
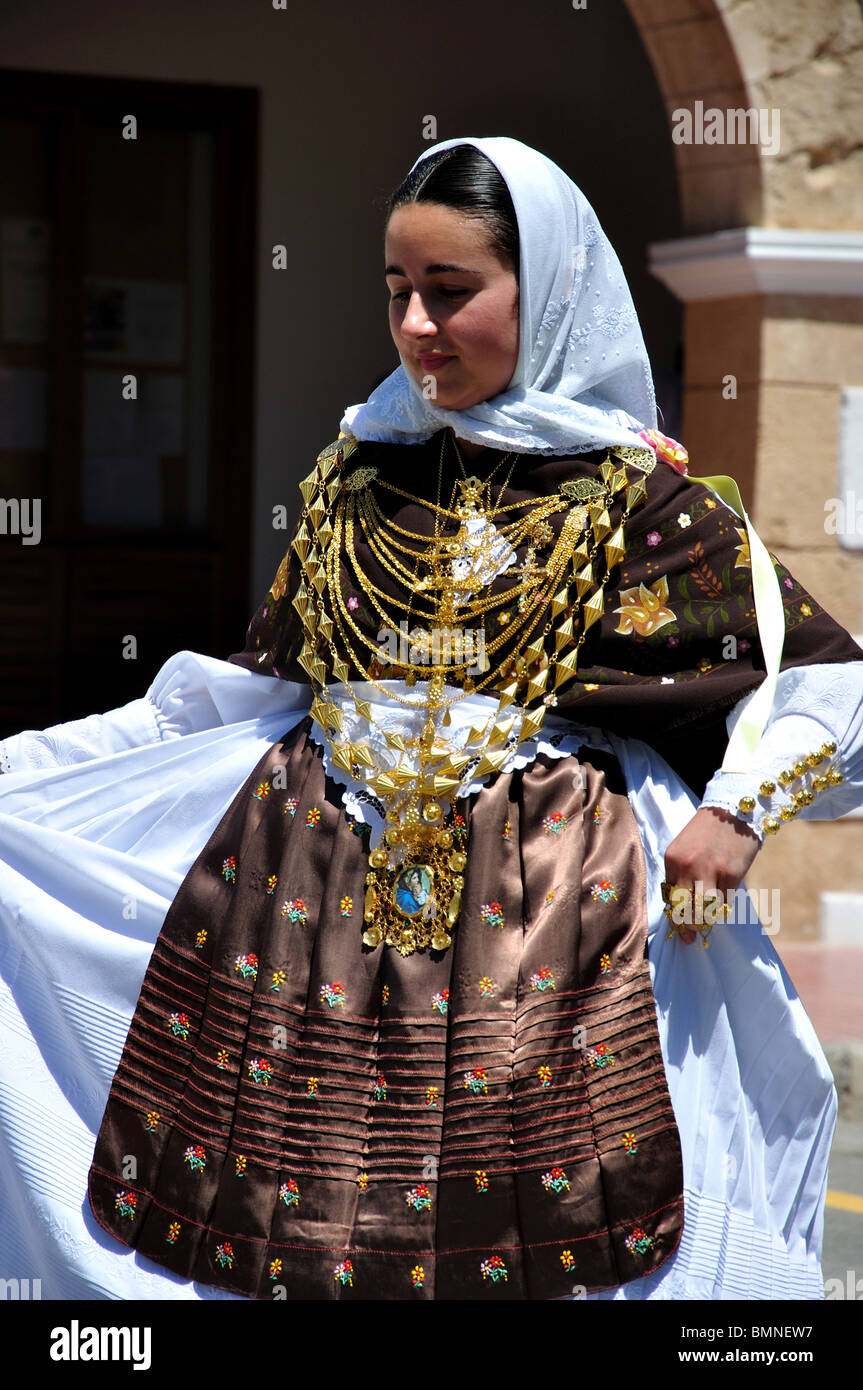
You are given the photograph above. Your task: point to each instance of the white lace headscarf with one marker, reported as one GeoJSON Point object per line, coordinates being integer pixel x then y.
{"type": "Point", "coordinates": [582, 380]}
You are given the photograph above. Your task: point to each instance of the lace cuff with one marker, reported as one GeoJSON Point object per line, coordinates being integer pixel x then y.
{"type": "Point", "coordinates": [809, 761]}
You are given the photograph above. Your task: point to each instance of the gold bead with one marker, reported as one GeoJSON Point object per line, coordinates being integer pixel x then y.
{"type": "Point", "coordinates": [814, 759]}
{"type": "Point", "coordinates": [799, 767]}
{"type": "Point", "coordinates": [785, 779]}
{"type": "Point", "coordinates": [746, 803]}
{"type": "Point", "coordinates": [797, 799]}
{"type": "Point", "coordinates": [819, 783]}
{"type": "Point", "coordinates": [431, 811]}
{"type": "Point", "coordinates": [806, 797]}
{"type": "Point", "coordinates": [444, 839]}
{"type": "Point", "coordinates": [457, 861]}
{"type": "Point", "coordinates": [767, 788]}
{"type": "Point", "coordinates": [378, 858]}
{"type": "Point", "coordinates": [788, 812]}
{"type": "Point", "coordinates": [834, 777]}
{"type": "Point", "coordinates": [828, 749]}
{"type": "Point", "coordinates": [769, 825]}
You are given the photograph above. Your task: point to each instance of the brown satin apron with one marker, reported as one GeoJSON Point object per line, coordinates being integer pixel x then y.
{"type": "Point", "coordinates": [302, 1117]}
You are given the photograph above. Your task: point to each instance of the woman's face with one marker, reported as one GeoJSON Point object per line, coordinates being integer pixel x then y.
{"type": "Point", "coordinates": [453, 305]}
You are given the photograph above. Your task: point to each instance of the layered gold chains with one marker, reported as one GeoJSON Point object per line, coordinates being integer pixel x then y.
{"type": "Point", "coordinates": [415, 879]}
{"type": "Point", "coordinates": [448, 592]}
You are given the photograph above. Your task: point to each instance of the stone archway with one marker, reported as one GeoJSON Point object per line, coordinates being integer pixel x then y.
{"type": "Point", "coordinates": [805, 60]}
{"type": "Point", "coordinates": [691, 47]}
{"type": "Point", "coordinates": [770, 273]}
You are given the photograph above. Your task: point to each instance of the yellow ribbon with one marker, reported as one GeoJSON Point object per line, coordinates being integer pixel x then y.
{"type": "Point", "coordinates": [770, 616]}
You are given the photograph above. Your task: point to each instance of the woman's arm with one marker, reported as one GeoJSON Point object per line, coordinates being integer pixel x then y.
{"type": "Point", "coordinates": [809, 763]}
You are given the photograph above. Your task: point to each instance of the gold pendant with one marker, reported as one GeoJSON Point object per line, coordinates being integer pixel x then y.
{"type": "Point", "coordinates": [413, 889]}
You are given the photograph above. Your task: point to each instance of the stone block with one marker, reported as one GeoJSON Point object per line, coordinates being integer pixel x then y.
{"type": "Point", "coordinates": [812, 341]}
{"type": "Point", "coordinates": [798, 440]}
{"type": "Point", "coordinates": [714, 199]}
{"type": "Point", "coordinates": [821, 197]}
{"type": "Point", "coordinates": [692, 56]}
{"type": "Point", "coordinates": [723, 337]}
{"type": "Point", "coordinates": [750, 35]}
{"type": "Point", "coordinates": [800, 861]}
{"type": "Point", "coordinates": [649, 14]}
{"type": "Point", "coordinates": [821, 105]}
{"type": "Point", "coordinates": [721, 435]}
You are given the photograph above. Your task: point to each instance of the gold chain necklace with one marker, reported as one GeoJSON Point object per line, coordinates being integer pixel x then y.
{"type": "Point", "coordinates": [394, 566]}
{"type": "Point", "coordinates": [413, 888]}
{"type": "Point", "coordinates": [472, 610]}
{"type": "Point", "coordinates": [413, 588]}
{"type": "Point", "coordinates": [376, 525]}
{"type": "Point", "coordinates": [449, 511]}
{"type": "Point", "coordinates": [379, 545]}
{"type": "Point", "coordinates": [550, 573]}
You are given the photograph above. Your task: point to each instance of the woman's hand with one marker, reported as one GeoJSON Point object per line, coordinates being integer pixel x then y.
{"type": "Point", "coordinates": [714, 850]}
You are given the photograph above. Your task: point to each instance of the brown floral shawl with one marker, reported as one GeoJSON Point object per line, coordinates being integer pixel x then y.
{"type": "Point", "coordinates": [678, 643]}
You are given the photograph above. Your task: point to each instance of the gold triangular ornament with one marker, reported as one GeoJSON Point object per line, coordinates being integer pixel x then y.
{"type": "Point", "coordinates": [593, 610]}
{"type": "Point", "coordinates": [615, 548]}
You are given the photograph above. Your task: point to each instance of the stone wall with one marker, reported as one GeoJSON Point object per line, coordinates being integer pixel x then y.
{"type": "Point", "coordinates": [790, 353]}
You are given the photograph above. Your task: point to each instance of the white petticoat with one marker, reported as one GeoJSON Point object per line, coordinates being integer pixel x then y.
{"type": "Point", "coordinates": [91, 856]}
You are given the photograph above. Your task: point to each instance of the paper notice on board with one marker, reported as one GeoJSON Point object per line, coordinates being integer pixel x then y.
{"type": "Point", "coordinates": [134, 320]}
{"type": "Point", "coordinates": [25, 279]}
{"type": "Point", "coordinates": [23, 408]}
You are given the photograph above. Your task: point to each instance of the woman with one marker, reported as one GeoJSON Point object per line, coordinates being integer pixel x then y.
{"type": "Point", "coordinates": [531, 1089]}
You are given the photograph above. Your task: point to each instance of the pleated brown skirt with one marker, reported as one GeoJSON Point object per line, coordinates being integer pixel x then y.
{"type": "Point", "coordinates": [298, 1116]}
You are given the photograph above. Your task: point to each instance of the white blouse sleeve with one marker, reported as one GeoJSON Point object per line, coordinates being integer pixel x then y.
{"type": "Point", "coordinates": [190, 693]}
{"type": "Point", "coordinates": [809, 762]}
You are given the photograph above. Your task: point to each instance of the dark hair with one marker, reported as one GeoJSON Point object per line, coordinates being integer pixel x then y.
{"type": "Point", "coordinates": [465, 179]}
